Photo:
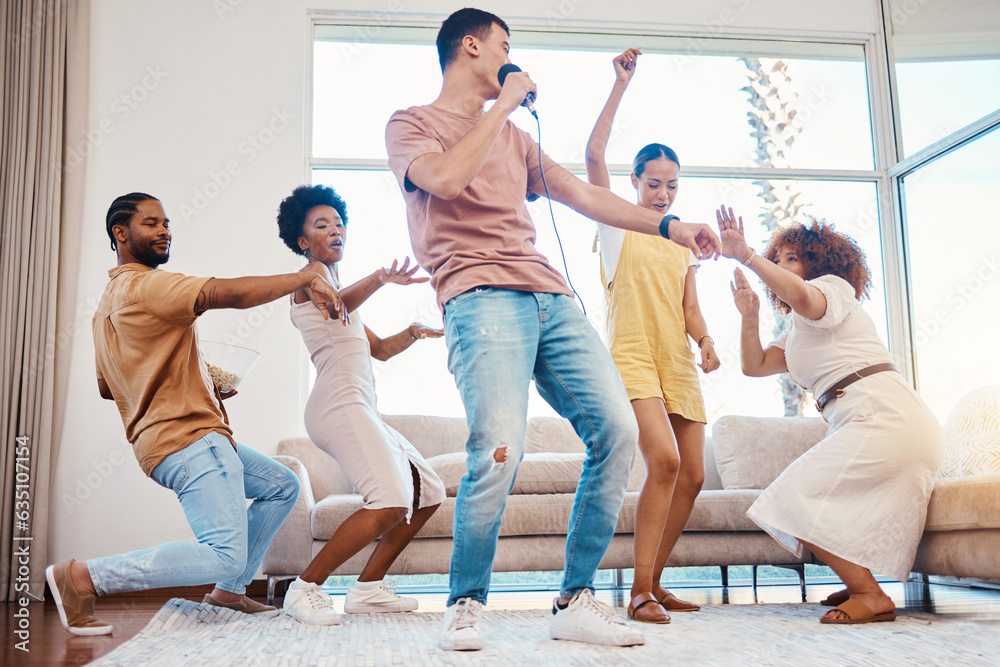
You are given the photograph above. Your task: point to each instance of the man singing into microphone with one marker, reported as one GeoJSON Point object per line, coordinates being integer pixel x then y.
{"type": "Point", "coordinates": [510, 318]}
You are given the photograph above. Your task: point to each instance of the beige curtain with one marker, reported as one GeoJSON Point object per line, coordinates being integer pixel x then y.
{"type": "Point", "coordinates": [33, 65]}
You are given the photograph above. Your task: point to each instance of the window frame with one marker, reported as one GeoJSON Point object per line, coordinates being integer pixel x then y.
{"type": "Point", "coordinates": [882, 101]}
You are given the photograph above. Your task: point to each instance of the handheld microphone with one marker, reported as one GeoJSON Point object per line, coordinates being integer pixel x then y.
{"type": "Point", "coordinates": [529, 98]}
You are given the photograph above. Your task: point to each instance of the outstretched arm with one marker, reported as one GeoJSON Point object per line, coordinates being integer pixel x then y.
{"type": "Point", "coordinates": [754, 359]}
{"type": "Point", "coordinates": [384, 349]}
{"type": "Point", "coordinates": [803, 298]}
{"type": "Point", "coordinates": [257, 290]}
{"type": "Point", "coordinates": [356, 294]}
{"type": "Point", "coordinates": [597, 168]}
{"type": "Point", "coordinates": [604, 206]}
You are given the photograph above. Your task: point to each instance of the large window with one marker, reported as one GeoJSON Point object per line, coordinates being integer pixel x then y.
{"type": "Point", "coordinates": [777, 130]}
{"type": "Point", "coordinates": [954, 242]}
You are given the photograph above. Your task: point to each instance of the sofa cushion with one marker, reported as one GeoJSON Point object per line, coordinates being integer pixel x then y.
{"type": "Point", "coordinates": [552, 434]}
{"type": "Point", "coordinates": [542, 472]}
{"type": "Point", "coordinates": [972, 435]}
{"type": "Point", "coordinates": [525, 514]}
{"type": "Point", "coordinates": [431, 436]}
{"type": "Point", "coordinates": [752, 451]}
{"type": "Point", "coordinates": [548, 514]}
{"type": "Point", "coordinates": [964, 503]}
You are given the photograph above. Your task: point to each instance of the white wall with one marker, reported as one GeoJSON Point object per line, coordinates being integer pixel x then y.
{"type": "Point", "coordinates": [176, 90]}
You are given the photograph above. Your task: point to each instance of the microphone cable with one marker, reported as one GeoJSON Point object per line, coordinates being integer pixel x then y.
{"type": "Point", "coordinates": [552, 215]}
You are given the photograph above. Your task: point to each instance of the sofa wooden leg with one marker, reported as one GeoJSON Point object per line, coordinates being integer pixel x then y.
{"type": "Point", "coordinates": [272, 582]}
{"type": "Point", "coordinates": [725, 575]}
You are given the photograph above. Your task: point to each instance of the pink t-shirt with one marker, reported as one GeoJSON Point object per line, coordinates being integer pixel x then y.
{"type": "Point", "coordinates": [485, 235]}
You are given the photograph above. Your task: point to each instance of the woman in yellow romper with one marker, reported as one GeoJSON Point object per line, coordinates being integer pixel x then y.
{"type": "Point", "coordinates": [651, 309]}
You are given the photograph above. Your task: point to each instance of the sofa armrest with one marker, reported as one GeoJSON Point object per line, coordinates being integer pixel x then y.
{"type": "Point", "coordinates": [291, 549]}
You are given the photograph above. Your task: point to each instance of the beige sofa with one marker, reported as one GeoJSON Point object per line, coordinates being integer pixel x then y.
{"type": "Point", "coordinates": [742, 457]}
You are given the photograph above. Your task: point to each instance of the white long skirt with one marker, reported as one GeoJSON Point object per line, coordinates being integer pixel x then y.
{"type": "Point", "coordinates": [861, 493]}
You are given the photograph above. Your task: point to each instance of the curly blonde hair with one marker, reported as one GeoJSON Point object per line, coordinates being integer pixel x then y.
{"type": "Point", "coordinates": [823, 251]}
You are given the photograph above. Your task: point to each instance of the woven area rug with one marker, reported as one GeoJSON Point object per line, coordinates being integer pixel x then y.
{"type": "Point", "coordinates": [188, 633]}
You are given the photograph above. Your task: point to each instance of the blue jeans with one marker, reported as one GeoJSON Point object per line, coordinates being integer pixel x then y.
{"type": "Point", "coordinates": [498, 340]}
{"type": "Point", "coordinates": [212, 481]}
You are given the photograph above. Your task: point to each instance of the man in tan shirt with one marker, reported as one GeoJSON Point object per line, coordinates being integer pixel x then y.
{"type": "Point", "coordinates": [148, 362]}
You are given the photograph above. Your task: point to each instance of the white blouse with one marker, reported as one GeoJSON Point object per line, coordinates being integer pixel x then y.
{"type": "Point", "coordinates": [820, 352]}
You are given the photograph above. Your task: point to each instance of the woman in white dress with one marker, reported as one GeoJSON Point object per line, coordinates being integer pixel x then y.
{"type": "Point", "coordinates": [399, 489]}
{"type": "Point", "coordinates": [858, 498]}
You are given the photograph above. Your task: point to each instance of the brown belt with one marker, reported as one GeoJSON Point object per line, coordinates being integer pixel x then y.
{"type": "Point", "coordinates": [837, 390]}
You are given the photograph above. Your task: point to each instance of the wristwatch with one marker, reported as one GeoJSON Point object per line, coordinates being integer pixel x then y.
{"type": "Point", "coordinates": [665, 225]}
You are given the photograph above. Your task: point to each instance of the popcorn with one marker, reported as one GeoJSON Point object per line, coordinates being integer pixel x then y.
{"type": "Point", "coordinates": [224, 380]}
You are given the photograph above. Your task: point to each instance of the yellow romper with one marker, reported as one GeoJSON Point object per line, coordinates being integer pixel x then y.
{"type": "Point", "coordinates": [646, 331]}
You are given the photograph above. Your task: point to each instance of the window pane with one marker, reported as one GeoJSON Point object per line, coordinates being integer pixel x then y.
{"type": "Point", "coordinates": [953, 240]}
{"type": "Point", "coordinates": [851, 206]}
{"type": "Point", "coordinates": [938, 98]}
{"type": "Point", "coordinates": [807, 113]}
{"type": "Point", "coordinates": [356, 87]}
{"type": "Point", "coordinates": [418, 381]}
{"type": "Point", "coordinates": [701, 107]}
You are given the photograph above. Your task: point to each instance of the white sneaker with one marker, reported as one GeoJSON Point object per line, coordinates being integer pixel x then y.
{"type": "Point", "coordinates": [307, 603]}
{"type": "Point", "coordinates": [460, 632]}
{"type": "Point", "coordinates": [585, 619]}
{"type": "Point", "coordinates": [382, 598]}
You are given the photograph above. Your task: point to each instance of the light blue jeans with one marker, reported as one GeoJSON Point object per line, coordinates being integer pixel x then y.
{"type": "Point", "coordinates": [498, 341]}
{"type": "Point", "coordinates": [212, 481]}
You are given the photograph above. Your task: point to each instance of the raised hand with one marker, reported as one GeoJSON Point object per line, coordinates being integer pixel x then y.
{"type": "Point", "coordinates": [747, 301]}
{"type": "Point", "coordinates": [700, 238]}
{"type": "Point", "coordinates": [401, 275]}
{"type": "Point", "coordinates": [625, 64]}
{"type": "Point", "coordinates": [418, 331]}
{"type": "Point", "coordinates": [734, 243]}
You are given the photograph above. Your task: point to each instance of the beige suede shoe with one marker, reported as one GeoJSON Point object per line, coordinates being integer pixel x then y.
{"type": "Point", "coordinates": [76, 612]}
{"type": "Point", "coordinates": [245, 605]}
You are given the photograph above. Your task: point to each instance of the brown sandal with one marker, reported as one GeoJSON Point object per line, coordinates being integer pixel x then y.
{"type": "Point", "coordinates": [645, 609]}
{"type": "Point", "coordinates": [838, 598]}
{"type": "Point", "coordinates": [858, 612]}
{"type": "Point", "coordinates": [671, 602]}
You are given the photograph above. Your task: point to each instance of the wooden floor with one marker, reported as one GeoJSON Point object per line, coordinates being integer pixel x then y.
{"type": "Point", "coordinates": [50, 645]}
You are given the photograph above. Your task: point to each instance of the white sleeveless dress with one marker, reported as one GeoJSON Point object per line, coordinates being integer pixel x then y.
{"type": "Point", "coordinates": [861, 493]}
{"type": "Point", "coordinates": [343, 420]}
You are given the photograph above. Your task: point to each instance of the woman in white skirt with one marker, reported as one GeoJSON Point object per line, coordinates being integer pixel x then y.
{"type": "Point", "coordinates": [399, 489]}
{"type": "Point", "coordinates": [858, 498]}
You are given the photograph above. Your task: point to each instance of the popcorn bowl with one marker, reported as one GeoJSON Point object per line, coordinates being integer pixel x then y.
{"type": "Point", "coordinates": [227, 364]}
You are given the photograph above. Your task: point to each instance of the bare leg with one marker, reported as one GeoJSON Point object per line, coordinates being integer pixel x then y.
{"type": "Point", "coordinates": [358, 530]}
{"type": "Point", "coordinates": [691, 447]}
{"type": "Point", "coordinates": [659, 450]}
{"type": "Point", "coordinates": [859, 581]}
{"type": "Point", "coordinates": [394, 541]}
